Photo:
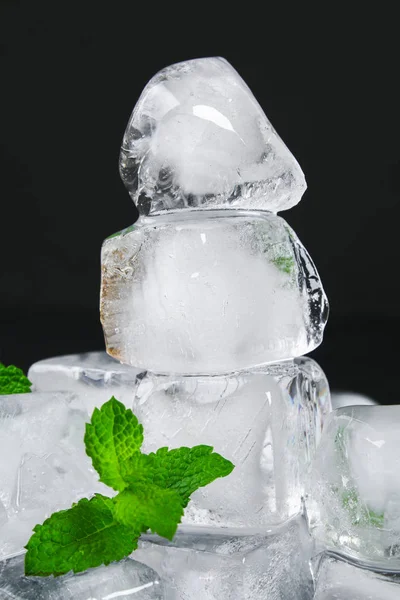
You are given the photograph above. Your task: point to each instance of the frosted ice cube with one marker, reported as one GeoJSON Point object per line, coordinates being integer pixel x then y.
{"type": "Point", "coordinates": [341, 399]}
{"type": "Point", "coordinates": [230, 567]}
{"type": "Point", "coordinates": [339, 580]}
{"type": "Point", "coordinates": [354, 494]}
{"type": "Point", "coordinates": [267, 422]}
{"type": "Point", "coordinates": [122, 580]}
{"type": "Point", "coordinates": [95, 376]}
{"type": "Point", "coordinates": [209, 296]}
{"type": "Point", "coordinates": [198, 138]}
{"type": "Point", "coordinates": [46, 466]}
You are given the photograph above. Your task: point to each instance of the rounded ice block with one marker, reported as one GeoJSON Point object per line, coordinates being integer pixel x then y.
{"type": "Point", "coordinates": [226, 292]}
{"type": "Point", "coordinates": [198, 138]}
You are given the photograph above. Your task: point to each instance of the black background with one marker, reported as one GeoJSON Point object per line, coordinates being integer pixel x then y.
{"type": "Point", "coordinates": [71, 75]}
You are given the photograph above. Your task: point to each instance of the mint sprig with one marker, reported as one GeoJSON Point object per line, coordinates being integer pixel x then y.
{"type": "Point", "coordinates": [13, 380]}
{"type": "Point", "coordinates": [153, 491]}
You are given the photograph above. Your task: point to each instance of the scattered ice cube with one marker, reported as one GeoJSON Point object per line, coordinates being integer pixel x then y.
{"type": "Point", "coordinates": [339, 580]}
{"type": "Point", "coordinates": [214, 295]}
{"type": "Point", "coordinates": [198, 138]}
{"type": "Point", "coordinates": [122, 580]}
{"type": "Point", "coordinates": [267, 422]}
{"type": "Point", "coordinates": [354, 494]}
{"type": "Point", "coordinates": [273, 566]}
{"type": "Point", "coordinates": [95, 376]}
{"type": "Point", "coordinates": [44, 467]}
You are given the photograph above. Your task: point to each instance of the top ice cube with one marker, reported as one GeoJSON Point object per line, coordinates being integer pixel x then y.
{"type": "Point", "coordinates": [198, 138]}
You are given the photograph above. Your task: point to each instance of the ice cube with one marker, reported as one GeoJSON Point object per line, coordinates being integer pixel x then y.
{"type": "Point", "coordinates": [214, 295]}
{"type": "Point", "coordinates": [354, 493]}
{"type": "Point", "coordinates": [198, 138]}
{"type": "Point", "coordinates": [45, 467]}
{"type": "Point", "coordinates": [95, 376]}
{"type": "Point", "coordinates": [267, 422]}
{"type": "Point", "coordinates": [121, 580]}
{"type": "Point", "coordinates": [273, 566]}
{"type": "Point", "coordinates": [339, 580]}
{"type": "Point", "coordinates": [341, 399]}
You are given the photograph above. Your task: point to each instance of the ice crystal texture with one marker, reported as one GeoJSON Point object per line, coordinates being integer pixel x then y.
{"type": "Point", "coordinates": [122, 580]}
{"type": "Point", "coordinates": [269, 566]}
{"type": "Point", "coordinates": [44, 466]}
{"type": "Point", "coordinates": [339, 580]}
{"type": "Point", "coordinates": [198, 138]}
{"type": "Point", "coordinates": [355, 489]}
{"type": "Point", "coordinates": [210, 295]}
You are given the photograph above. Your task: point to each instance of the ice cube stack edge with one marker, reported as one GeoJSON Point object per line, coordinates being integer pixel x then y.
{"type": "Point", "coordinates": [209, 303]}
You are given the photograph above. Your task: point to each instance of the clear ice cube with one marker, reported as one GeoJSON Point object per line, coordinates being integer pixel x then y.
{"type": "Point", "coordinates": [273, 566]}
{"type": "Point", "coordinates": [94, 376]}
{"type": "Point", "coordinates": [198, 138]}
{"type": "Point", "coordinates": [267, 422]}
{"type": "Point", "coordinates": [45, 467]}
{"type": "Point", "coordinates": [339, 580]}
{"type": "Point", "coordinates": [214, 295]}
{"type": "Point", "coordinates": [354, 492]}
{"type": "Point", "coordinates": [122, 580]}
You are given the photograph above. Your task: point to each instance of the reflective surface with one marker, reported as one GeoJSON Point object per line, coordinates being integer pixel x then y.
{"type": "Point", "coordinates": [198, 138]}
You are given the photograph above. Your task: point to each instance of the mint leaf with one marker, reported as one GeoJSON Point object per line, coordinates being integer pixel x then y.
{"type": "Point", "coordinates": [13, 380]}
{"type": "Point", "coordinates": [182, 469]}
{"type": "Point", "coordinates": [146, 506]}
{"type": "Point", "coordinates": [86, 535]}
{"type": "Point", "coordinates": [112, 437]}
{"type": "Point", "coordinates": [153, 491]}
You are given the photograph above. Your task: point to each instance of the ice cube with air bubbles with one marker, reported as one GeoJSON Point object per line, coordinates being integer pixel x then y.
{"type": "Point", "coordinates": [354, 491]}
{"type": "Point", "coordinates": [209, 293]}
{"type": "Point", "coordinates": [198, 138]}
{"type": "Point", "coordinates": [267, 422]}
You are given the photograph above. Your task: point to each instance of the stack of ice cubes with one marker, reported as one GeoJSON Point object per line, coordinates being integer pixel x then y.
{"type": "Point", "coordinates": [209, 303]}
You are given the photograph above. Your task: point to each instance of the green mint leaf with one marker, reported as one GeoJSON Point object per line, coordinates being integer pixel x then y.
{"type": "Point", "coordinates": [154, 490]}
{"type": "Point", "coordinates": [284, 263]}
{"type": "Point", "coordinates": [84, 536]}
{"type": "Point", "coordinates": [112, 437]}
{"type": "Point", "coordinates": [182, 469]}
{"type": "Point", "coordinates": [13, 380]}
{"type": "Point", "coordinates": [146, 506]}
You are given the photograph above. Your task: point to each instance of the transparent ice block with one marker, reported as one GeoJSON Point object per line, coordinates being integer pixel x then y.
{"type": "Point", "coordinates": [198, 138]}
{"type": "Point", "coordinates": [124, 580]}
{"type": "Point", "coordinates": [340, 580]}
{"type": "Point", "coordinates": [210, 293]}
{"type": "Point", "coordinates": [354, 492]}
{"type": "Point", "coordinates": [267, 422]}
{"type": "Point", "coordinates": [94, 376]}
{"type": "Point", "coordinates": [225, 566]}
{"type": "Point", "coordinates": [44, 466]}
